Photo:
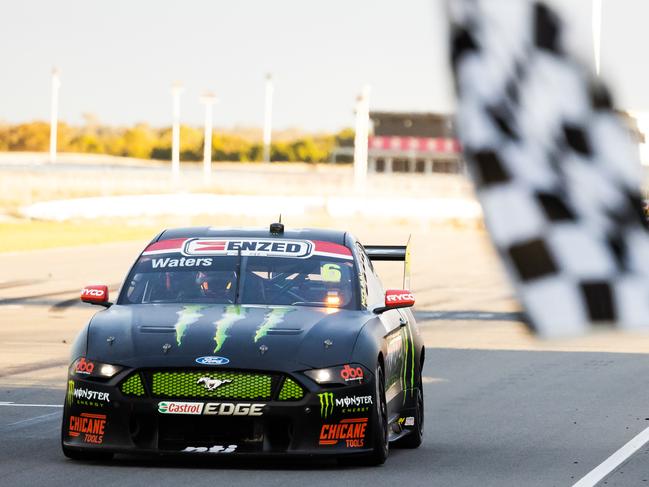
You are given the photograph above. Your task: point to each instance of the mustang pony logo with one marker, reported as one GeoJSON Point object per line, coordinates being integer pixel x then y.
{"type": "Point", "coordinates": [211, 384]}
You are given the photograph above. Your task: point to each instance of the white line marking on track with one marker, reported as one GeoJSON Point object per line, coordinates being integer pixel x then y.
{"type": "Point", "coordinates": [4, 403]}
{"type": "Point", "coordinates": [37, 419]}
{"type": "Point", "coordinates": [614, 461]}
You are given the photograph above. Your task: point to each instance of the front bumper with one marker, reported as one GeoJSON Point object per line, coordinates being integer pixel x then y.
{"type": "Point", "coordinates": [334, 421]}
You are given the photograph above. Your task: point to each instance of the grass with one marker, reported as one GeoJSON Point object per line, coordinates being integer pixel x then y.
{"type": "Point", "coordinates": [35, 235]}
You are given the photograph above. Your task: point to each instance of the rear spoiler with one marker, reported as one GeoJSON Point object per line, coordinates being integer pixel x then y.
{"type": "Point", "coordinates": [393, 253]}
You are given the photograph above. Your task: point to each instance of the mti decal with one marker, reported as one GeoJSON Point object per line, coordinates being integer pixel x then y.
{"type": "Point", "coordinates": [213, 449]}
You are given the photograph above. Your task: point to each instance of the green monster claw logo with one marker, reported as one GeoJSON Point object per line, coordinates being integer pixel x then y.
{"type": "Point", "coordinates": [187, 316]}
{"type": "Point", "coordinates": [408, 344]}
{"type": "Point", "coordinates": [273, 318]}
{"type": "Point", "coordinates": [232, 314]}
{"type": "Point", "coordinates": [70, 392]}
{"type": "Point", "coordinates": [326, 404]}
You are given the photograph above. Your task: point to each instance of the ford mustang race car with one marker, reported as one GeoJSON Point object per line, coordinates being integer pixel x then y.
{"type": "Point", "coordinates": [244, 342]}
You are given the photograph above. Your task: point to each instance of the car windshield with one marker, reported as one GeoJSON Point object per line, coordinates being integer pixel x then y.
{"type": "Point", "coordinates": [315, 280]}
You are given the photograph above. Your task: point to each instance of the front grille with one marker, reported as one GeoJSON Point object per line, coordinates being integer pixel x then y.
{"type": "Point", "coordinates": [291, 391]}
{"type": "Point", "coordinates": [133, 386]}
{"type": "Point", "coordinates": [206, 384]}
{"type": "Point", "coordinates": [223, 385]}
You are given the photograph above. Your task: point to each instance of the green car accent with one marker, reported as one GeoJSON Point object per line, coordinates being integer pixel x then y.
{"type": "Point", "coordinates": [185, 384]}
{"type": "Point", "coordinates": [133, 386]}
{"type": "Point", "coordinates": [273, 318]}
{"type": "Point", "coordinates": [189, 315]}
{"type": "Point", "coordinates": [326, 404]}
{"type": "Point", "coordinates": [232, 314]}
{"type": "Point", "coordinates": [290, 391]}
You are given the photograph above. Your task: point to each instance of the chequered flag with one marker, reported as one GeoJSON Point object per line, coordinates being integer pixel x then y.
{"type": "Point", "coordinates": [554, 166]}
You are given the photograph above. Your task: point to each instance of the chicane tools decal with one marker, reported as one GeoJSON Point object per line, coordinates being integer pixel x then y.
{"type": "Point", "coordinates": [351, 431]}
{"type": "Point", "coordinates": [91, 426]}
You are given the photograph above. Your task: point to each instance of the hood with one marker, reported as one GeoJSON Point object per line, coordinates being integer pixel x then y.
{"type": "Point", "coordinates": [291, 337]}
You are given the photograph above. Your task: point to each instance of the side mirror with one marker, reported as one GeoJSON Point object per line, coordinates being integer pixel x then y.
{"type": "Point", "coordinates": [96, 295]}
{"type": "Point", "coordinates": [396, 298]}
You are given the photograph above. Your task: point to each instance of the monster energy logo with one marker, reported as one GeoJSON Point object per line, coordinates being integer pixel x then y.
{"type": "Point", "coordinates": [231, 315]}
{"type": "Point", "coordinates": [70, 392]}
{"type": "Point", "coordinates": [408, 355]}
{"type": "Point", "coordinates": [273, 318]}
{"type": "Point", "coordinates": [326, 404]}
{"type": "Point", "coordinates": [187, 316]}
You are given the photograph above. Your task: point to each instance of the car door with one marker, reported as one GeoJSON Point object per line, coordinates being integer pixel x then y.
{"type": "Point", "coordinates": [393, 326]}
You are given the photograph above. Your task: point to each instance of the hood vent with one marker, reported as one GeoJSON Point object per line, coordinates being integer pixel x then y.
{"type": "Point", "coordinates": [284, 331]}
{"type": "Point", "coordinates": [157, 329]}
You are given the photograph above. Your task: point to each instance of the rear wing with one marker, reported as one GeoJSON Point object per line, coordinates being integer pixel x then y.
{"type": "Point", "coordinates": [393, 253]}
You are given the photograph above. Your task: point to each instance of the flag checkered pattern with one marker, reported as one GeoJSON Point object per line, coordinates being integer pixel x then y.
{"type": "Point", "coordinates": [554, 166]}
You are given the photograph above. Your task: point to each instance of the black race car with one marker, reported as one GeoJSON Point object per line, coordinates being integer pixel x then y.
{"type": "Point", "coordinates": [236, 341]}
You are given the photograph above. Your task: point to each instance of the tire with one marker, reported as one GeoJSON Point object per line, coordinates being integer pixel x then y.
{"type": "Point", "coordinates": [415, 437]}
{"type": "Point", "coordinates": [86, 455]}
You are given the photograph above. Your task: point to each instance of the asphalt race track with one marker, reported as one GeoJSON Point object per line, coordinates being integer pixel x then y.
{"type": "Point", "coordinates": [501, 409]}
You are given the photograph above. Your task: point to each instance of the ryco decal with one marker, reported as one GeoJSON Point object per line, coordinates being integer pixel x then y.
{"type": "Point", "coordinates": [399, 298]}
{"type": "Point", "coordinates": [90, 427]}
{"type": "Point", "coordinates": [351, 431]}
{"type": "Point", "coordinates": [94, 293]}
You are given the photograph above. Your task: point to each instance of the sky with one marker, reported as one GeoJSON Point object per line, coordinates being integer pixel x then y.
{"type": "Point", "coordinates": [118, 58]}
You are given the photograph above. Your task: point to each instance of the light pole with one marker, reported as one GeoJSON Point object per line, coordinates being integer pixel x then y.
{"type": "Point", "coordinates": [208, 99]}
{"type": "Point", "coordinates": [597, 32]}
{"type": "Point", "coordinates": [176, 90]}
{"type": "Point", "coordinates": [268, 114]}
{"type": "Point", "coordinates": [54, 113]}
{"type": "Point", "coordinates": [361, 138]}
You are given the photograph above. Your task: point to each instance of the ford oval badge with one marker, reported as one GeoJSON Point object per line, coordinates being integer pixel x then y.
{"type": "Point", "coordinates": [212, 360]}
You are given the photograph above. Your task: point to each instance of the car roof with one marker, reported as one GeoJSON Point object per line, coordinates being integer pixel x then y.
{"type": "Point", "coordinates": [334, 236]}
